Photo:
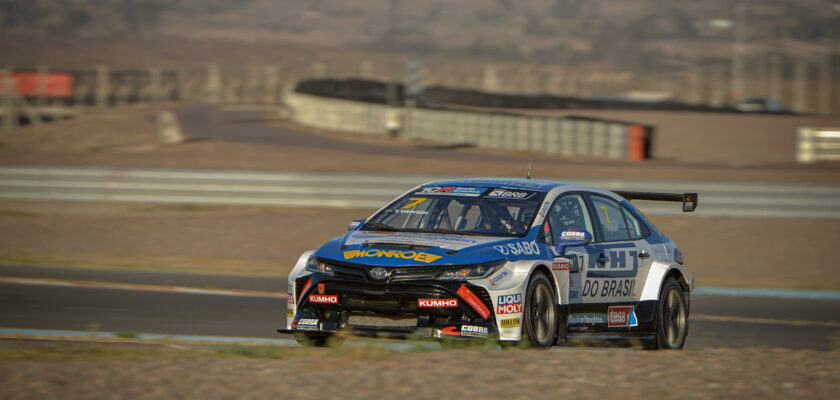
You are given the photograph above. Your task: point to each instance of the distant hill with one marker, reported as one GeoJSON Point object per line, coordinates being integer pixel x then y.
{"type": "Point", "coordinates": [622, 33]}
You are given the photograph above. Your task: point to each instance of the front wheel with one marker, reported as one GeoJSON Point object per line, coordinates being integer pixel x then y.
{"type": "Point", "coordinates": [671, 318]}
{"type": "Point", "coordinates": [316, 340]}
{"type": "Point", "coordinates": [540, 325]}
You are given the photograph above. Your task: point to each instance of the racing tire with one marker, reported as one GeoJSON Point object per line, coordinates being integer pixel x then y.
{"type": "Point", "coordinates": [540, 316]}
{"type": "Point", "coordinates": [671, 318]}
{"type": "Point", "coordinates": [315, 340]}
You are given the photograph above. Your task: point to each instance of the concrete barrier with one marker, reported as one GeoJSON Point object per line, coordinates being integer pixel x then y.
{"type": "Point", "coordinates": [566, 136]}
{"type": "Point", "coordinates": [818, 144]}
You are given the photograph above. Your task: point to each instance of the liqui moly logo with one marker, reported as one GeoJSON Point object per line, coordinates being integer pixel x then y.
{"type": "Point", "coordinates": [509, 304]}
{"type": "Point", "coordinates": [435, 303]}
{"type": "Point", "coordinates": [323, 298]}
{"type": "Point", "coordinates": [619, 316]}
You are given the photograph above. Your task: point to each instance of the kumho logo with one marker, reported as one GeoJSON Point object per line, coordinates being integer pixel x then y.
{"type": "Point", "coordinates": [404, 255]}
{"type": "Point", "coordinates": [509, 304]}
{"type": "Point", "coordinates": [434, 303]}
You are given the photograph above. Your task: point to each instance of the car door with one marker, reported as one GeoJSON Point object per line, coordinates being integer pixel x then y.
{"type": "Point", "coordinates": [618, 256]}
{"type": "Point", "coordinates": [569, 211]}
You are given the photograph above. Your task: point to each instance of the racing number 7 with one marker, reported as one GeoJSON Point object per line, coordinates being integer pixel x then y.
{"type": "Point", "coordinates": [414, 202]}
{"type": "Point", "coordinates": [606, 214]}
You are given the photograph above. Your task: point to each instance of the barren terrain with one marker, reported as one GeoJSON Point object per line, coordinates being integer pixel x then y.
{"type": "Point", "coordinates": [369, 373]}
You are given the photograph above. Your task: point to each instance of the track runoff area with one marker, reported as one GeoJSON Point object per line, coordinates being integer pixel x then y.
{"type": "Point", "coordinates": [57, 303]}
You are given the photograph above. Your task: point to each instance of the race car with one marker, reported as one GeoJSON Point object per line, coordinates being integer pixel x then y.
{"type": "Point", "coordinates": [514, 260]}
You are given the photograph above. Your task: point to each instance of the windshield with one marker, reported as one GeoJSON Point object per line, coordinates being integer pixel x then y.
{"type": "Point", "coordinates": [461, 210]}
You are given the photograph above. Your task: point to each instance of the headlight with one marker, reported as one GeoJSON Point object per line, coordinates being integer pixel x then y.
{"type": "Point", "coordinates": [477, 271]}
{"type": "Point", "coordinates": [315, 265]}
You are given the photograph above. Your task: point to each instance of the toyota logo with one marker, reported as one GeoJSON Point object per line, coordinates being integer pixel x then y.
{"type": "Point", "coordinates": [378, 273]}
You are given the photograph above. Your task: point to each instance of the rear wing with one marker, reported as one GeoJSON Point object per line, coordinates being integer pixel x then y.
{"type": "Point", "coordinates": [689, 200]}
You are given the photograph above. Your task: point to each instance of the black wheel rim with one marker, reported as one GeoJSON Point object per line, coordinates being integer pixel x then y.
{"type": "Point", "coordinates": [543, 317]}
{"type": "Point", "coordinates": [673, 318]}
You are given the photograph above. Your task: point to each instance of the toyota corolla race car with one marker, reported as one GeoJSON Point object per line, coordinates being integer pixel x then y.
{"type": "Point", "coordinates": [508, 259]}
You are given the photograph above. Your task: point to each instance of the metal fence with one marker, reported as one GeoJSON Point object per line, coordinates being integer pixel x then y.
{"type": "Point", "coordinates": [818, 144]}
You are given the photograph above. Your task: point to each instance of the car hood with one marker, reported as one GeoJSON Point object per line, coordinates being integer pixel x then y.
{"type": "Point", "coordinates": [385, 248]}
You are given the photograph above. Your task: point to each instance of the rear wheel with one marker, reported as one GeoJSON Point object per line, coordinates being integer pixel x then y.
{"type": "Point", "coordinates": [540, 319]}
{"type": "Point", "coordinates": [671, 318]}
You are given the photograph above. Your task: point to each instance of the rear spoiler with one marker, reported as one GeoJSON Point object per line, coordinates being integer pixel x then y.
{"type": "Point", "coordinates": [689, 200]}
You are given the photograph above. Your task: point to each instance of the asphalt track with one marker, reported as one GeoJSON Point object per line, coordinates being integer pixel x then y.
{"type": "Point", "coordinates": [717, 320]}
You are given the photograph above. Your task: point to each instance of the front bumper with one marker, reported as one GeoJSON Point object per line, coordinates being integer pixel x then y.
{"type": "Point", "coordinates": [416, 308]}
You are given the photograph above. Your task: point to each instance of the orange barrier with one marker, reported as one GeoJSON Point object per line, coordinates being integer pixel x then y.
{"type": "Point", "coordinates": [55, 84]}
{"type": "Point", "coordinates": [636, 143]}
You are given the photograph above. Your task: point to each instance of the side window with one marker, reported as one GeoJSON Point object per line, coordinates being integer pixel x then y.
{"type": "Point", "coordinates": [637, 229]}
{"type": "Point", "coordinates": [567, 212]}
{"type": "Point", "coordinates": [611, 219]}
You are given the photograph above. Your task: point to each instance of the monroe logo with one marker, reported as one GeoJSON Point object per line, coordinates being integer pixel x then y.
{"type": "Point", "coordinates": [323, 298]}
{"type": "Point", "coordinates": [474, 331]}
{"type": "Point", "coordinates": [507, 194]}
{"type": "Point", "coordinates": [519, 248]}
{"type": "Point", "coordinates": [618, 316]}
{"type": "Point", "coordinates": [434, 303]}
{"type": "Point", "coordinates": [402, 255]}
{"type": "Point", "coordinates": [510, 323]}
{"type": "Point", "coordinates": [509, 304]}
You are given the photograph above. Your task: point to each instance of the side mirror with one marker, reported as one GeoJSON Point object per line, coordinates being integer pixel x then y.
{"type": "Point", "coordinates": [356, 223]}
{"type": "Point", "coordinates": [572, 238]}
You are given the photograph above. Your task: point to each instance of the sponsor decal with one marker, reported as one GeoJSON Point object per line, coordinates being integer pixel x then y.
{"type": "Point", "coordinates": [608, 287]}
{"type": "Point", "coordinates": [498, 278]}
{"type": "Point", "coordinates": [412, 212]}
{"type": "Point", "coordinates": [560, 265]}
{"type": "Point", "coordinates": [473, 301]}
{"type": "Point", "coordinates": [291, 288]}
{"type": "Point", "coordinates": [451, 331]}
{"type": "Point", "coordinates": [510, 323]}
{"type": "Point", "coordinates": [518, 248]}
{"type": "Point", "coordinates": [321, 287]}
{"type": "Point", "coordinates": [289, 313]}
{"type": "Point", "coordinates": [403, 255]}
{"type": "Point", "coordinates": [453, 191]}
{"type": "Point", "coordinates": [305, 288]}
{"type": "Point", "coordinates": [508, 194]}
{"type": "Point", "coordinates": [572, 235]}
{"type": "Point", "coordinates": [622, 264]}
{"type": "Point", "coordinates": [588, 319]}
{"type": "Point", "coordinates": [544, 209]}
{"type": "Point", "coordinates": [437, 303]}
{"type": "Point", "coordinates": [323, 298]}
{"type": "Point", "coordinates": [509, 304]}
{"type": "Point", "coordinates": [473, 331]}
{"type": "Point", "coordinates": [621, 316]}
{"type": "Point", "coordinates": [306, 324]}
{"type": "Point", "coordinates": [291, 300]}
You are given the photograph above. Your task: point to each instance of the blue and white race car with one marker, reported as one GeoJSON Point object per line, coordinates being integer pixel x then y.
{"type": "Point", "coordinates": [509, 259]}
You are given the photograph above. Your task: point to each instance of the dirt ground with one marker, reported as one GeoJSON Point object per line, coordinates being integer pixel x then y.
{"type": "Point", "coordinates": [124, 137]}
{"type": "Point", "coordinates": [740, 252]}
{"type": "Point", "coordinates": [608, 373]}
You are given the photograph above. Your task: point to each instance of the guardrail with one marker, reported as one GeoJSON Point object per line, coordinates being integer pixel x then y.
{"type": "Point", "coordinates": [567, 136]}
{"type": "Point", "coordinates": [818, 144]}
{"type": "Point", "coordinates": [371, 191]}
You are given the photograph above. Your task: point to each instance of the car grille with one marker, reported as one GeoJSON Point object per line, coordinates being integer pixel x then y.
{"type": "Point", "coordinates": [379, 321]}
